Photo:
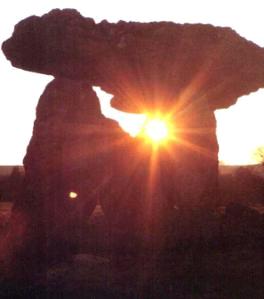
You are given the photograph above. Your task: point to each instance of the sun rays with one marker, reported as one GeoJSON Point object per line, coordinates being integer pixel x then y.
{"type": "Point", "coordinates": [162, 129]}
{"type": "Point", "coordinates": [157, 142]}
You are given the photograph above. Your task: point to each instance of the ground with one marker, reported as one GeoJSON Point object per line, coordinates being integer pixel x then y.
{"type": "Point", "coordinates": [230, 266]}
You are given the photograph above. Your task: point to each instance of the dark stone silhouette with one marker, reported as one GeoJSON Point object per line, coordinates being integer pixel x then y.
{"type": "Point", "coordinates": [187, 70]}
{"type": "Point", "coordinates": [72, 150]}
{"type": "Point", "coordinates": [191, 69]}
{"type": "Point", "coordinates": [151, 62]}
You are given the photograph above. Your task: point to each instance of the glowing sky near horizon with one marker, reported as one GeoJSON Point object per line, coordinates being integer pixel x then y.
{"type": "Point", "coordinates": [240, 128]}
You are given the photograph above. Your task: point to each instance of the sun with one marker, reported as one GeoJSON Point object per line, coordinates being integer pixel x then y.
{"type": "Point", "coordinates": [156, 130]}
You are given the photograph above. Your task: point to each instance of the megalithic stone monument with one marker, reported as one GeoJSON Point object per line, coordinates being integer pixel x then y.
{"type": "Point", "coordinates": [187, 70]}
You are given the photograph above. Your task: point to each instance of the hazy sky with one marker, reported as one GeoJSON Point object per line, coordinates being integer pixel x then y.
{"type": "Point", "coordinates": [240, 128]}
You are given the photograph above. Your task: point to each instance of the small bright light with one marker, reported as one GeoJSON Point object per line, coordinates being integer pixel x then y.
{"type": "Point", "coordinates": [157, 130]}
{"type": "Point", "coordinates": [73, 195]}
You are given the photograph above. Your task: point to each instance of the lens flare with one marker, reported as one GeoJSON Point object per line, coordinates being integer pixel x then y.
{"type": "Point", "coordinates": [73, 195]}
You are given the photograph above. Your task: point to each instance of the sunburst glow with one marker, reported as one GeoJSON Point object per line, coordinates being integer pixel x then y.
{"type": "Point", "coordinates": [156, 130]}
{"type": "Point", "coordinates": [235, 138]}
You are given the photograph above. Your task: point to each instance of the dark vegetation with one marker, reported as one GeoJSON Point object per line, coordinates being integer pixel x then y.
{"type": "Point", "coordinates": [11, 184]}
{"type": "Point", "coordinates": [244, 185]}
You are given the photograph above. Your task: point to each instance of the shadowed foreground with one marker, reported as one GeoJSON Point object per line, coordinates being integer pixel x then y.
{"type": "Point", "coordinates": [227, 265]}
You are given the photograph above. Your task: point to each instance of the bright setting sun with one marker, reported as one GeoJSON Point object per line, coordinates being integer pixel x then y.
{"type": "Point", "coordinates": [234, 148]}
{"type": "Point", "coordinates": [156, 130]}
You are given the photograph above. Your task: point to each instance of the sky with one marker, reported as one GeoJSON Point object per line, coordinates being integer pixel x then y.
{"type": "Point", "coordinates": [240, 128]}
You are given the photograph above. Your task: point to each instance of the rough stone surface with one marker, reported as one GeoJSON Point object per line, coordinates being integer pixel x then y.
{"type": "Point", "coordinates": [73, 149]}
{"type": "Point", "coordinates": [187, 70]}
{"type": "Point", "coordinates": [150, 62]}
